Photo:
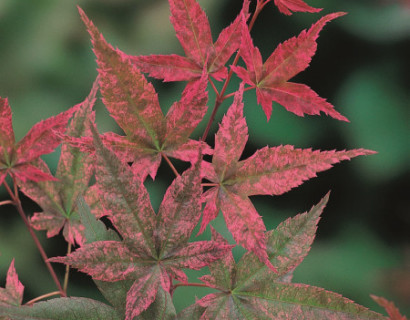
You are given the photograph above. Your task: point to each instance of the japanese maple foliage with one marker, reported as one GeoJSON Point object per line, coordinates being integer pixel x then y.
{"type": "Point", "coordinates": [194, 33]}
{"type": "Point", "coordinates": [154, 248]}
{"type": "Point", "coordinates": [57, 197]}
{"type": "Point", "coordinates": [16, 159]}
{"type": "Point", "coordinates": [287, 6]}
{"type": "Point", "coordinates": [137, 257]}
{"type": "Point", "coordinates": [271, 78]}
{"type": "Point", "coordinates": [134, 105]}
{"type": "Point", "coordinates": [270, 171]}
{"type": "Point", "coordinates": [248, 288]}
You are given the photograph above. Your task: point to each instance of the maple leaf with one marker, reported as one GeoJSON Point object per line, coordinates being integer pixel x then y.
{"type": "Point", "coordinates": [269, 171]}
{"type": "Point", "coordinates": [154, 248]}
{"type": "Point", "coordinates": [16, 159]}
{"type": "Point", "coordinates": [194, 33]}
{"type": "Point", "coordinates": [287, 6]}
{"type": "Point", "coordinates": [134, 105]}
{"type": "Point", "coordinates": [391, 309]}
{"type": "Point", "coordinates": [271, 79]}
{"type": "Point", "coordinates": [74, 170]}
{"type": "Point", "coordinates": [246, 290]}
{"type": "Point", "coordinates": [12, 294]}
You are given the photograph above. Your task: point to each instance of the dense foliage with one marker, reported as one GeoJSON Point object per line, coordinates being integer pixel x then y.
{"type": "Point", "coordinates": [139, 261]}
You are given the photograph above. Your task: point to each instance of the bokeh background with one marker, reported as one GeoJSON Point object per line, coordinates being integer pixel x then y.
{"type": "Point", "coordinates": [362, 66]}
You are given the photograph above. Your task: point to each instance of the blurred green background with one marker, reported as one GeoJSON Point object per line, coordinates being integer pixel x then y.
{"type": "Point", "coordinates": [362, 67]}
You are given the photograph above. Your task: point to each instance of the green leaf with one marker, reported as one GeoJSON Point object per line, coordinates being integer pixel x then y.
{"type": "Point", "coordinates": [287, 246]}
{"type": "Point", "coordinates": [95, 230]}
{"type": "Point", "coordinates": [299, 301]}
{"type": "Point", "coordinates": [62, 309]}
{"type": "Point", "coordinates": [249, 290]}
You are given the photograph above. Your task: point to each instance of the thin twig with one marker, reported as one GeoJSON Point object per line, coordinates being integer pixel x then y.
{"type": "Point", "coordinates": [170, 164]}
{"type": "Point", "coordinates": [213, 86]}
{"type": "Point", "coordinates": [233, 93]}
{"type": "Point", "coordinates": [67, 270]}
{"type": "Point", "coordinates": [209, 184]}
{"type": "Point", "coordinates": [17, 204]}
{"type": "Point", "coordinates": [5, 202]}
{"type": "Point", "coordinates": [182, 284]}
{"type": "Point", "coordinates": [44, 296]}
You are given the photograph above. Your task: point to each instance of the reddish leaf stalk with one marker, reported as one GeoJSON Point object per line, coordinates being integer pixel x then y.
{"type": "Point", "coordinates": [213, 86]}
{"type": "Point", "coordinates": [170, 164]}
{"type": "Point", "coordinates": [16, 201]}
{"type": "Point", "coordinates": [233, 93]}
{"type": "Point", "coordinates": [221, 96]}
{"type": "Point", "coordinates": [5, 202]}
{"type": "Point", "coordinates": [67, 269]}
{"type": "Point", "coordinates": [44, 296]}
{"type": "Point", "coordinates": [182, 284]}
{"type": "Point", "coordinates": [209, 185]}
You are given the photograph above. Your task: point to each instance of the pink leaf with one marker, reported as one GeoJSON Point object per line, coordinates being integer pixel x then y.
{"type": "Point", "coordinates": [276, 170]}
{"type": "Point", "coordinates": [141, 295]}
{"type": "Point", "coordinates": [246, 225]}
{"type": "Point", "coordinates": [287, 6]}
{"type": "Point", "coordinates": [211, 209]}
{"type": "Point", "coordinates": [125, 196]}
{"type": "Point", "coordinates": [192, 29]}
{"type": "Point", "coordinates": [228, 42]}
{"type": "Point", "coordinates": [133, 103]}
{"type": "Point", "coordinates": [231, 138]}
{"type": "Point", "coordinates": [74, 170]}
{"type": "Point", "coordinates": [197, 255]}
{"type": "Point", "coordinates": [391, 309]}
{"type": "Point", "coordinates": [47, 221]}
{"type": "Point", "coordinates": [41, 139]}
{"type": "Point", "coordinates": [185, 115]}
{"type": "Point", "coordinates": [103, 260]}
{"type": "Point", "coordinates": [129, 98]}
{"type": "Point", "coordinates": [194, 33]}
{"type": "Point", "coordinates": [269, 171]}
{"type": "Point", "coordinates": [28, 172]}
{"type": "Point", "coordinates": [168, 67]}
{"type": "Point", "coordinates": [7, 140]}
{"type": "Point", "coordinates": [289, 58]}
{"type": "Point", "coordinates": [16, 159]}
{"type": "Point", "coordinates": [297, 98]}
{"type": "Point", "coordinates": [13, 292]}
{"type": "Point", "coordinates": [180, 211]}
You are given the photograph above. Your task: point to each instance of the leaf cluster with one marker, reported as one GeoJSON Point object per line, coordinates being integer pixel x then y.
{"type": "Point", "coordinates": [140, 261]}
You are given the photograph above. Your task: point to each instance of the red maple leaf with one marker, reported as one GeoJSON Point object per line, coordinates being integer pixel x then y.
{"type": "Point", "coordinates": [12, 294]}
{"type": "Point", "coordinates": [133, 103]}
{"type": "Point", "coordinates": [287, 6]}
{"type": "Point", "coordinates": [390, 308]}
{"type": "Point", "coordinates": [154, 248]}
{"type": "Point", "coordinates": [57, 197]}
{"type": "Point", "coordinates": [271, 79]}
{"type": "Point", "coordinates": [269, 171]}
{"type": "Point", "coordinates": [18, 159]}
{"type": "Point", "coordinates": [194, 33]}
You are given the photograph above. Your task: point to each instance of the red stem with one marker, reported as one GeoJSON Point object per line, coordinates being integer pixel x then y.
{"type": "Point", "coordinates": [17, 204]}
{"type": "Point", "coordinates": [170, 164]}
{"type": "Point", "coordinates": [181, 284]}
